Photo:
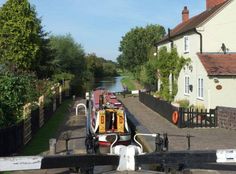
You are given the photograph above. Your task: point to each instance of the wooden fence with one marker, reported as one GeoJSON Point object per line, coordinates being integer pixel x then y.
{"type": "Point", "coordinates": [197, 118]}
{"type": "Point", "coordinates": [186, 117]}
{"type": "Point", "coordinates": [162, 107]}
{"type": "Point", "coordinates": [13, 138]}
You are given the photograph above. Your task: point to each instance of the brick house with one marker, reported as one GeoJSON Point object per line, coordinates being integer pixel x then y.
{"type": "Point", "coordinates": [209, 40]}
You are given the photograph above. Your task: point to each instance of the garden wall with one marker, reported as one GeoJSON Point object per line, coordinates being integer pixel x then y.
{"type": "Point", "coordinates": [226, 117]}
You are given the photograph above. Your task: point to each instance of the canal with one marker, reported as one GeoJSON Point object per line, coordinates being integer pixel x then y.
{"type": "Point", "coordinates": [112, 84]}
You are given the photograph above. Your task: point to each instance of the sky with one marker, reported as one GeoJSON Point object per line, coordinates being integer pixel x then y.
{"type": "Point", "coordinates": [98, 25]}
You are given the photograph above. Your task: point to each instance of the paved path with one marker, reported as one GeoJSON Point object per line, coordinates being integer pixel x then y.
{"type": "Point", "coordinates": [204, 138]}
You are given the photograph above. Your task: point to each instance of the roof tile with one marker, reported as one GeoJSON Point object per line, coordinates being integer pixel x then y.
{"type": "Point", "coordinates": [219, 64]}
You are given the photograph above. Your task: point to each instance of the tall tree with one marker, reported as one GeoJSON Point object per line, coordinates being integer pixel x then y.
{"type": "Point", "coordinates": [100, 67]}
{"type": "Point", "coordinates": [69, 58]}
{"type": "Point", "coordinates": [68, 55]}
{"type": "Point", "coordinates": [20, 35]}
{"type": "Point", "coordinates": [136, 44]}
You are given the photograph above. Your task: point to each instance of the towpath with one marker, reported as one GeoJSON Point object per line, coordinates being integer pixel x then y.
{"type": "Point", "coordinates": [148, 121]}
{"type": "Point", "coordinates": [75, 126]}
{"type": "Point", "coordinates": [204, 138]}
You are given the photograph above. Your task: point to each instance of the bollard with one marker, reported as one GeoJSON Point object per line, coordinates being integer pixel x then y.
{"type": "Point", "coordinates": [166, 142]}
{"type": "Point", "coordinates": [73, 97]}
{"type": "Point", "coordinates": [189, 141]}
{"type": "Point", "coordinates": [66, 136]}
{"type": "Point", "coordinates": [52, 146]}
{"type": "Point", "coordinates": [158, 143]}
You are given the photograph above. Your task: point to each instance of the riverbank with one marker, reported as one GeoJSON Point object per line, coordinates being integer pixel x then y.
{"type": "Point", "coordinates": [130, 82]}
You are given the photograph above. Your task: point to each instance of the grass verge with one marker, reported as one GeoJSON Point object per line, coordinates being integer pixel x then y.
{"type": "Point", "coordinates": [40, 141]}
{"type": "Point", "coordinates": [129, 82]}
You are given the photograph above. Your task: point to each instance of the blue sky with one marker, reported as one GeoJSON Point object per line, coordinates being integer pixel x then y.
{"type": "Point", "coordinates": [98, 25]}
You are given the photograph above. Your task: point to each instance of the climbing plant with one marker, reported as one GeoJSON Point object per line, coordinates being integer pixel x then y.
{"type": "Point", "coordinates": [169, 65]}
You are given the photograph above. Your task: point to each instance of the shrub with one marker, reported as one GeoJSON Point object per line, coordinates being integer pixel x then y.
{"type": "Point", "coordinates": [184, 103]}
{"type": "Point", "coordinates": [199, 107]}
{"type": "Point", "coordinates": [15, 90]}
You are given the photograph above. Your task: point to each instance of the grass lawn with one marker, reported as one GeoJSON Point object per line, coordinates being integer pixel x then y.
{"type": "Point", "coordinates": [129, 82]}
{"type": "Point", "coordinates": [40, 141]}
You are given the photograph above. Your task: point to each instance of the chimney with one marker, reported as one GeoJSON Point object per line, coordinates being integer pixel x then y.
{"type": "Point", "coordinates": [185, 14]}
{"type": "Point", "coordinates": [212, 3]}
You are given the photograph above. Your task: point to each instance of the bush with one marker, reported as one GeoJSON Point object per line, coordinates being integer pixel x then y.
{"type": "Point", "coordinates": [198, 107]}
{"type": "Point", "coordinates": [60, 77]}
{"type": "Point", "coordinates": [184, 103]}
{"type": "Point", "coordinates": [16, 90]}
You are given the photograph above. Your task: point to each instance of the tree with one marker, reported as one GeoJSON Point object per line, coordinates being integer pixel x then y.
{"type": "Point", "coordinates": [20, 35]}
{"type": "Point", "coordinates": [136, 44]}
{"type": "Point", "coordinates": [15, 92]}
{"type": "Point", "coordinates": [44, 67]}
{"type": "Point", "coordinates": [100, 67]}
{"type": "Point", "coordinates": [69, 57]}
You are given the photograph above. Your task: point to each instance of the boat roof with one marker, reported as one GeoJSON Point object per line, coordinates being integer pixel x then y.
{"type": "Point", "coordinates": [108, 96]}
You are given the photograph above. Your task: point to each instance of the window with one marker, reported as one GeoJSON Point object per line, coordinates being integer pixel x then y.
{"type": "Point", "coordinates": [186, 85]}
{"type": "Point", "coordinates": [186, 44]}
{"type": "Point", "coordinates": [200, 88]}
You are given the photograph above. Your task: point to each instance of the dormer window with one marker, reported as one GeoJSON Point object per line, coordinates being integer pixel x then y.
{"type": "Point", "coordinates": [186, 44]}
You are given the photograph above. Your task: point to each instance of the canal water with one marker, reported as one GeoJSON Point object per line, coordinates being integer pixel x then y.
{"type": "Point", "coordinates": [112, 84]}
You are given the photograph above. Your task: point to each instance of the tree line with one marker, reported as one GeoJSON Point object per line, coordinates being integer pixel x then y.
{"type": "Point", "coordinates": [31, 60]}
{"type": "Point", "coordinates": [140, 56]}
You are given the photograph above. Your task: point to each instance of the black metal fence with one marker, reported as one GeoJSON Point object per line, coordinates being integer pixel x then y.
{"type": "Point", "coordinates": [184, 117]}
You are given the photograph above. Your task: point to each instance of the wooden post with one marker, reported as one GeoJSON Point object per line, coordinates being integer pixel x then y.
{"type": "Point", "coordinates": [52, 146]}
{"type": "Point", "coordinates": [41, 111]}
{"type": "Point", "coordinates": [67, 88]}
{"type": "Point", "coordinates": [60, 94]}
{"type": "Point", "coordinates": [54, 98]}
{"type": "Point", "coordinates": [27, 123]}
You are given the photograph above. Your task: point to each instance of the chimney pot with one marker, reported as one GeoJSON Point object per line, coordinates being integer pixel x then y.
{"type": "Point", "coordinates": [185, 14]}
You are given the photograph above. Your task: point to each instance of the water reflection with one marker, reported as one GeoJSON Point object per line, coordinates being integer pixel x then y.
{"type": "Point", "coordinates": [112, 84]}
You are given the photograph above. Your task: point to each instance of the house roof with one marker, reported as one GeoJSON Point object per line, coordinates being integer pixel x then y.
{"type": "Point", "coordinates": [192, 23]}
{"type": "Point", "coordinates": [219, 64]}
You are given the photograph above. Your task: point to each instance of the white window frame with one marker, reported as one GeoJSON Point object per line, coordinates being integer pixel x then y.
{"type": "Point", "coordinates": [186, 85]}
{"type": "Point", "coordinates": [200, 88]}
{"type": "Point", "coordinates": [186, 44]}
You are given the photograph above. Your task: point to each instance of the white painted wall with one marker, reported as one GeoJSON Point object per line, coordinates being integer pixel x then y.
{"type": "Point", "coordinates": [220, 29]}
{"type": "Point", "coordinates": [226, 96]}
{"type": "Point", "coordinates": [197, 71]}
